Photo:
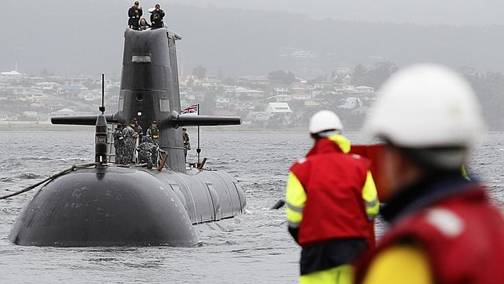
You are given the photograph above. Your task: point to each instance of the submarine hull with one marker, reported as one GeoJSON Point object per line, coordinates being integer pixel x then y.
{"type": "Point", "coordinates": [105, 207]}
{"type": "Point", "coordinates": [117, 206]}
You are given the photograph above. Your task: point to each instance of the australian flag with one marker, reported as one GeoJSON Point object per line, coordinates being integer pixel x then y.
{"type": "Point", "coordinates": [192, 109]}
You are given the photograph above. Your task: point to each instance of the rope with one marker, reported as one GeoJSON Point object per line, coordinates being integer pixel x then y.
{"type": "Point", "coordinates": [47, 180]}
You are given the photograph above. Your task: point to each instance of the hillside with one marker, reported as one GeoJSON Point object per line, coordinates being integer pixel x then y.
{"type": "Point", "coordinates": [86, 37]}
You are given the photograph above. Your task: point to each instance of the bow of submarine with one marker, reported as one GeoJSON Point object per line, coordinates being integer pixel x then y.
{"type": "Point", "coordinates": [105, 207]}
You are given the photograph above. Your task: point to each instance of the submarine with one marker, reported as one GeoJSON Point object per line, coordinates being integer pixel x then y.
{"type": "Point", "coordinates": [104, 204]}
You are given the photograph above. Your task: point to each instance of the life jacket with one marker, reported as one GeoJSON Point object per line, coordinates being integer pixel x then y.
{"type": "Point", "coordinates": [333, 182]}
{"type": "Point", "coordinates": [463, 236]}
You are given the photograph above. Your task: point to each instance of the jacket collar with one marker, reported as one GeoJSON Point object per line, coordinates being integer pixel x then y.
{"type": "Point", "coordinates": [428, 191]}
{"type": "Point", "coordinates": [335, 143]}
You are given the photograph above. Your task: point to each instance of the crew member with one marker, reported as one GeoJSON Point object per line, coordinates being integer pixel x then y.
{"type": "Point", "coordinates": [138, 129]}
{"type": "Point", "coordinates": [444, 228]}
{"type": "Point", "coordinates": [130, 137]}
{"type": "Point", "coordinates": [144, 25]}
{"type": "Point", "coordinates": [148, 152]}
{"type": "Point", "coordinates": [119, 145]}
{"type": "Point", "coordinates": [134, 14]}
{"type": "Point", "coordinates": [153, 132]}
{"type": "Point", "coordinates": [156, 17]}
{"type": "Point", "coordinates": [331, 203]}
{"type": "Point", "coordinates": [185, 139]}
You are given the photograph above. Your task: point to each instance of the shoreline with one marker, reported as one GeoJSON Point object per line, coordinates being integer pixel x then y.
{"type": "Point", "coordinates": [39, 126]}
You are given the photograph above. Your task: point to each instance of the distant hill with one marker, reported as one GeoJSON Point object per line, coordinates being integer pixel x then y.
{"type": "Point", "coordinates": [86, 37]}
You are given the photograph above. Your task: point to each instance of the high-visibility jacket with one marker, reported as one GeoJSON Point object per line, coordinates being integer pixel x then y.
{"type": "Point", "coordinates": [461, 237]}
{"type": "Point", "coordinates": [331, 194]}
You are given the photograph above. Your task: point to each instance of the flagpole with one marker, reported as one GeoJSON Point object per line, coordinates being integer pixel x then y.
{"type": "Point", "coordinates": [199, 149]}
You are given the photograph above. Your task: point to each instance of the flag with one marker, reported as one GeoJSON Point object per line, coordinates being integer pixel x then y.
{"type": "Point", "coordinates": [192, 109]}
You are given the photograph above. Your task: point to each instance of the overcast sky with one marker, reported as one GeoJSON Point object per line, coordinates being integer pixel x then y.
{"type": "Point", "coordinates": [84, 36]}
{"type": "Point", "coordinates": [424, 12]}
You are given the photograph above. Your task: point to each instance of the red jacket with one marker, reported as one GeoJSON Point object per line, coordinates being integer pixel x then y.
{"type": "Point", "coordinates": [463, 236]}
{"type": "Point", "coordinates": [333, 182]}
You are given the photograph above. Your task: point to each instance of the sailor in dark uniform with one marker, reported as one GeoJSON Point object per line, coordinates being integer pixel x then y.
{"type": "Point", "coordinates": [187, 144]}
{"type": "Point", "coordinates": [156, 17]}
{"type": "Point", "coordinates": [134, 14]}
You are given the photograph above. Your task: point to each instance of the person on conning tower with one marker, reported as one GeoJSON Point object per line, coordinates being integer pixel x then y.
{"type": "Point", "coordinates": [156, 17]}
{"type": "Point", "coordinates": [144, 25]}
{"type": "Point", "coordinates": [134, 14]}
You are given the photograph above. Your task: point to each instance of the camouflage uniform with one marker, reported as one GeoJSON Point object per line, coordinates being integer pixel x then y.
{"type": "Point", "coordinates": [130, 137]}
{"type": "Point", "coordinates": [148, 152]}
{"type": "Point", "coordinates": [153, 132]}
{"type": "Point", "coordinates": [119, 145]}
{"type": "Point", "coordinates": [139, 131]}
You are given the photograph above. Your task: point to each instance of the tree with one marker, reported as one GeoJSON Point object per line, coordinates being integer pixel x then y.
{"type": "Point", "coordinates": [282, 77]}
{"type": "Point", "coordinates": [374, 76]}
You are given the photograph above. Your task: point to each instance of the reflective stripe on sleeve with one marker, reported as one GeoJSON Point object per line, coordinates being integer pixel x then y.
{"type": "Point", "coordinates": [295, 208]}
{"type": "Point", "coordinates": [370, 197]}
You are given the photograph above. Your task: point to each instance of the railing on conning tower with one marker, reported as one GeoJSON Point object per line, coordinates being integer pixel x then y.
{"type": "Point", "coordinates": [110, 143]}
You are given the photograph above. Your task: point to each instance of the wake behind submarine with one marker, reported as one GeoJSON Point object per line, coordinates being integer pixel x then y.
{"type": "Point", "coordinates": [102, 204]}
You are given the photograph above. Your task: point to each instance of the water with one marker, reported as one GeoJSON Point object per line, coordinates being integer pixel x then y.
{"type": "Point", "coordinates": [252, 248]}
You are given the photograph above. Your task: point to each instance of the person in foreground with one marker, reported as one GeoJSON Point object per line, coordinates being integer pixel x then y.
{"type": "Point", "coordinates": [443, 227]}
{"type": "Point", "coordinates": [331, 202]}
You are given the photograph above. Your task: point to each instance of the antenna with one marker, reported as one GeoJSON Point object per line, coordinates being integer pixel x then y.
{"type": "Point", "coordinates": [102, 107]}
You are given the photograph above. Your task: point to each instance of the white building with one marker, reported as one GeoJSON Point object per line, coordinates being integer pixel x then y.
{"type": "Point", "coordinates": [278, 108]}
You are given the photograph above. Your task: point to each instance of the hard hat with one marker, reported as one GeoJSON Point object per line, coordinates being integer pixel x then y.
{"type": "Point", "coordinates": [426, 106]}
{"type": "Point", "coordinates": [325, 120]}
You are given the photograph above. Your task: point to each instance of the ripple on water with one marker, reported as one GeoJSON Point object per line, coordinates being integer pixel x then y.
{"type": "Point", "coordinates": [28, 176]}
{"type": "Point", "coordinates": [232, 251]}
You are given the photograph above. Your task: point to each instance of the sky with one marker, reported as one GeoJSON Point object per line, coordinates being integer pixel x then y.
{"type": "Point", "coordinates": [87, 35]}
{"type": "Point", "coordinates": [422, 12]}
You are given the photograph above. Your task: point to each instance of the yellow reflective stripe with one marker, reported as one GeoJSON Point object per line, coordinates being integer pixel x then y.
{"type": "Point", "coordinates": [295, 199]}
{"type": "Point", "coordinates": [295, 208]}
{"type": "Point", "coordinates": [293, 216]}
{"type": "Point", "coordinates": [342, 142]}
{"type": "Point", "coordinates": [413, 262]}
{"type": "Point", "coordinates": [371, 204]}
{"type": "Point", "coordinates": [370, 196]}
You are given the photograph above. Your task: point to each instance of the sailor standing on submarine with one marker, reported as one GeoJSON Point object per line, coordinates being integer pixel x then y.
{"type": "Point", "coordinates": [134, 14]}
{"type": "Point", "coordinates": [157, 15]}
{"type": "Point", "coordinates": [331, 202]}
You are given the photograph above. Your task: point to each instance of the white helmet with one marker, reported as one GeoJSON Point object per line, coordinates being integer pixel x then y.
{"type": "Point", "coordinates": [426, 106]}
{"type": "Point", "coordinates": [325, 120]}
